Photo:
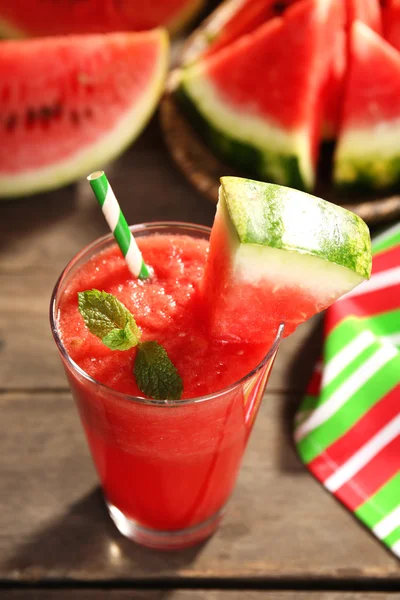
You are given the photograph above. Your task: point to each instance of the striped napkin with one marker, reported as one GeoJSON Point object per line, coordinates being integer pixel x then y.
{"type": "Point", "coordinates": [347, 430]}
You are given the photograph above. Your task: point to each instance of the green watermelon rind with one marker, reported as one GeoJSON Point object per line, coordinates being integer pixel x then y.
{"type": "Point", "coordinates": [247, 158]}
{"type": "Point", "coordinates": [276, 157]}
{"type": "Point", "coordinates": [106, 149]}
{"type": "Point", "coordinates": [366, 173]}
{"type": "Point", "coordinates": [266, 214]}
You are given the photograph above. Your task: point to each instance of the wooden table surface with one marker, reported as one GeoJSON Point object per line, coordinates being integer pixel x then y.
{"type": "Point", "coordinates": [283, 537]}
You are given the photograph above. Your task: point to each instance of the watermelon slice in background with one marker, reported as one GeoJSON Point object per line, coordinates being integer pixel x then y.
{"type": "Point", "coordinates": [22, 18]}
{"type": "Point", "coordinates": [260, 107]}
{"type": "Point", "coordinates": [391, 22]}
{"type": "Point", "coordinates": [71, 104]}
{"type": "Point", "coordinates": [230, 21]}
{"type": "Point", "coordinates": [368, 149]}
{"type": "Point", "coordinates": [278, 255]}
{"type": "Point", "coordinates": [367, 11]}
{"type": "Point", "coordinates": [235, 18]}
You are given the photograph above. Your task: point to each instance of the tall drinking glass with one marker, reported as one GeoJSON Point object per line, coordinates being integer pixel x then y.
{"type": "Point", "coordinates": [167, 468]}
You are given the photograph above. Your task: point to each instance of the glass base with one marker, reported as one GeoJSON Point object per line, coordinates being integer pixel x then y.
{"type": "Point", "coordinates": [164, 540]}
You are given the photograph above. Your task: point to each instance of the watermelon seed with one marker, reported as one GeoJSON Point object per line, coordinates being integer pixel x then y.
{"type": "Point", "coordinates": [11, 123]}
{"type": "Point", "coordinates": [30, 117]}
{"type": "Point", "coordinates": [57, 110]}
{"type": "Point", "coordinates": [74, 117]}
{"type": "Point", "coordinates": [45, 113]}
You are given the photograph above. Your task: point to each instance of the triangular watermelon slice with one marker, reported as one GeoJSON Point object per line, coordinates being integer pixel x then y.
{"type": "Point", "coordinates": [368, 149]}
{"type": "Point", "coordinates": [348, 11]}
{"type": "Point", "coordinates": [230, 21]}
{"type": "Point", "coordinates": [71, 104]}
{"type": "Point", "coordinates": [278, 255]}
{"type": "Point", "coordinates": [391, 22]}
{"type": "Point", "coordinates": [259, 101]}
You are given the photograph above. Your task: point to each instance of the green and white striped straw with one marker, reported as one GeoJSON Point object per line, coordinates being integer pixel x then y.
{"type": "Point", "coordinates": [118, 225]}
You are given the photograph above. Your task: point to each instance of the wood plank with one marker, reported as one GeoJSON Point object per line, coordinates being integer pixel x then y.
{"type": "Point", "coordinates": [69, 594]}
{"type": "Point", "coordinates": [31, 359]}
{"type": "Point", "coordinates": [280, 524]}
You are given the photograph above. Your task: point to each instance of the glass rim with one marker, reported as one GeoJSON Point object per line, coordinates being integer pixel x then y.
{"type": "Point", "coordinates": [121, 395]}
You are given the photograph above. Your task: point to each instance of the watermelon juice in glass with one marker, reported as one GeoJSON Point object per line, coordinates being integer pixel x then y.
{"type": "Point", "coordinates": [167, 467]}
{"type": "Point", "coordinates": [168, 394]}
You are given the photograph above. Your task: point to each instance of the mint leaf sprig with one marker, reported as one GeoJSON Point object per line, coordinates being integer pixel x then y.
{"type": "Point", "coordinates": [108, 319]}
{"type": "Point", "coordinates": [155, 374]}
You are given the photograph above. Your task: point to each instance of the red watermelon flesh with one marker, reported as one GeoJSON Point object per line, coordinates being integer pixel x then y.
{"type": "Point", "coordinates": [391, 22]}
{"type": "Point", "coordinates": [48, 18]}
{"type": "Point", "coordinates": [367, 11]}
{"type": "Point", "coordinates": [334, 91]}
{"type": "Point", "coordinates": [373, 86]}
{"type": "Point", "coordinates": [336, 73]}
{"type": "Point", "coordinates": [247, 16]}
{"type": "Point", "coordinates": [69, 103]}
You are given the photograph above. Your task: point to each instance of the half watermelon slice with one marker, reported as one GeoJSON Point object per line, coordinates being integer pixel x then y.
{"type": "Point", "coordinates": [19, 18]}
{"type": "Point", "coordinates": [69, 105]}
{"type": "Point", "coordinates": [260, 109]}
{"type": "Point", "coordinates": [368, 149]}
{"type": "Point", "coordinates": [278, 255]}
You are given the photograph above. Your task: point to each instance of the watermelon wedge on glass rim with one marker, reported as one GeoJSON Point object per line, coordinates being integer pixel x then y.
{"type": "Point", "coordinates": [368, 149]}
{"type": "Point", "coordinates": [278, 255]}
{"type": "Point", "coordinates": [71, 104]}
{"type": "Point", "coordinates": [35, 18]}
{"type": "Point", "coordinates": [257, 107]}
